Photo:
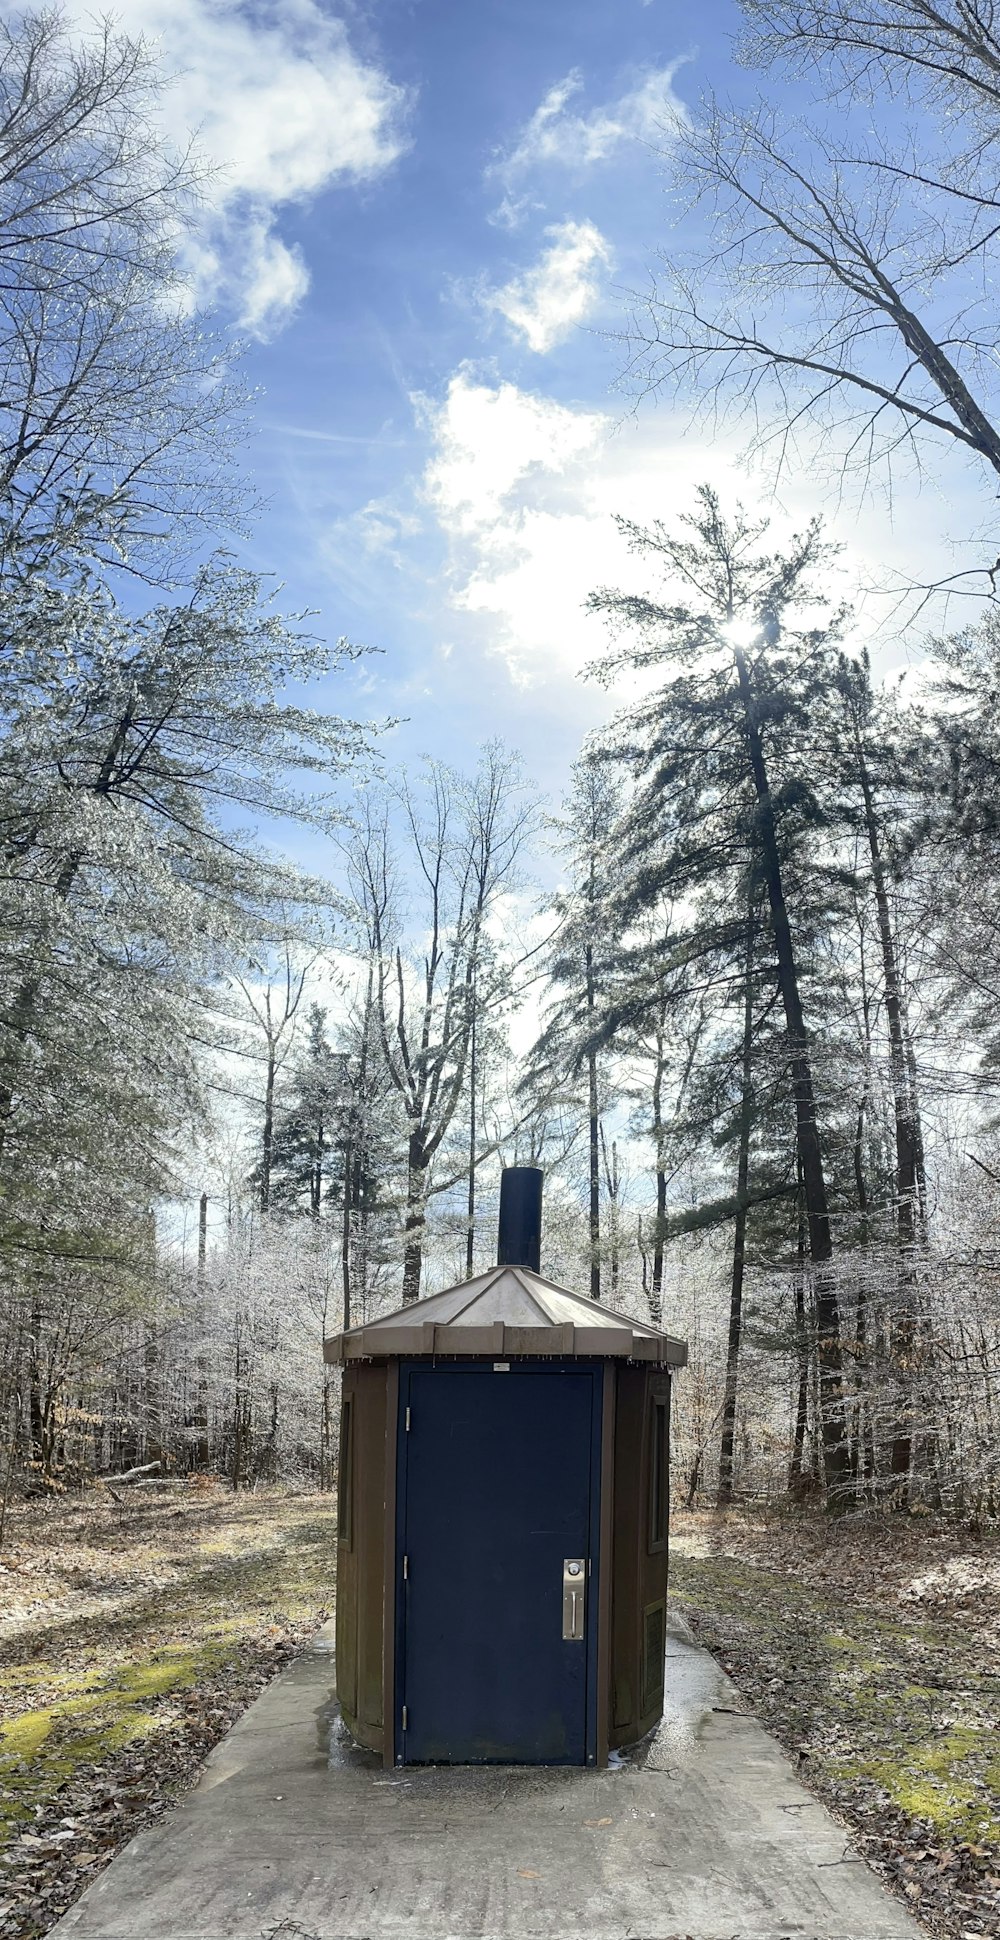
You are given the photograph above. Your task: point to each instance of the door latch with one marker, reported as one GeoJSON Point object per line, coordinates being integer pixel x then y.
{"type": "Point", "coordinates": [574, 1594]}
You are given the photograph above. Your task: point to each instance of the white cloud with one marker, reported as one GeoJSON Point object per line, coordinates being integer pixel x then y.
{"type": "Point", "coordinates": [241, 265]}
{"type": "Point", "coordinates": [547, 302]}
{"type": "Point", "coordinates": [562, 135]}
{"type": "Point", "coordinates": [280, 99]}
{"type": "Point", "coordinates": [490, 440]}
{"type": "Point", "coordinates": [525, 489]}
{"type": "Point", "coordinates": [274, 282]}
{"type": "Point", "coordinates": [282, 107]}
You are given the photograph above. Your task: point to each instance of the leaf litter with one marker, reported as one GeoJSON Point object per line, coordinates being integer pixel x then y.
{"type": "Point", "coordinates": [870, 1647]}
{"type": "Point", "coordinates": [131, 1638]}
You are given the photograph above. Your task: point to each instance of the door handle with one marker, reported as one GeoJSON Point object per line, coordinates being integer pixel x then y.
{"type": "Point", "coordinates": [574, 1598]}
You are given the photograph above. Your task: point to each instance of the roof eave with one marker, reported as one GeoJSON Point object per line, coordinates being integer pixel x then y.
{"type": "Point", "coordinates": [449, 1340]}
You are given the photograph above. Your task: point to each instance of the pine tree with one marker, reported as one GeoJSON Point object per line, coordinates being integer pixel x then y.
{"type": "Point", "coordinates": [724, 806]}
{"type": "Point", "coordinates": [567, 1053]}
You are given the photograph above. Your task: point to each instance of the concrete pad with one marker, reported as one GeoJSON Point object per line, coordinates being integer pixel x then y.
{"type": "Point", "coordinates": [292, 1833]}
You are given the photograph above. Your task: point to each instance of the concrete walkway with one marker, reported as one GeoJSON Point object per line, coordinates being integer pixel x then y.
{"type": "Point", "coordinates": [291, 1834]}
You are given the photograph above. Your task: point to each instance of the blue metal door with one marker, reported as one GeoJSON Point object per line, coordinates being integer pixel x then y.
{"type": "Point", "coordinates": [498, 1496]}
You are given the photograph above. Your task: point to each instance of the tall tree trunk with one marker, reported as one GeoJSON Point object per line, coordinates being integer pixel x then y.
{"type": "Point", "coordinates": [201, 1445]}
{"type": "Point", "coordinates": [326, 1436]}
{"type": "Point", "coordinates": [359, 1238]}
{"type": "Point", "coordinates": [612, 1185]}
{"type": "Point", "coordinates": [836, 1452]}
{"type": "Point", "coordinates": [594, 1139]}
{"type": "Point", "coordinates": [740, 1230]}
{"type": "Point", "coordinates": [659, 1231]}
{"type": "Point", "coordinates": [267, 1142]}
{"type": "Point", "coordinates": [416, 1217]}
{"type": "Point", "coordinates": [908, 1138]}
{"type": "Point", "coordinates": [615, 1226]}
{"type": "Point", "coordinates": [357, 1287]}
{"type": "Point", "coordinates": [905, 1109]}
{"type": "Point", "coordinates": [316, 1170]}
{"type": "Point", "coordinates": [796, 1472]}
{"type": "Point", "coordinates": [238, 1414]}
{"type": "Point", "coordinates": [152, 1404]}
{"type": "Point", "coordinates": [864, 1450]}
{"type": "Point", "coordinates": [345, 1234]}
{"type": "Point", "coordinates": [36, 1433]}
{"type": "Point", "coordinates": [470, 1232]}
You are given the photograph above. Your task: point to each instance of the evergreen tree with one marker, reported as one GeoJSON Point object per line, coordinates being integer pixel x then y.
{"type": "Point", "coordinates": [567, 1053]}
{"type": "Point", "coordinates": [307, 1167]}
{"type": "Point", "coordinates": [725, 755]}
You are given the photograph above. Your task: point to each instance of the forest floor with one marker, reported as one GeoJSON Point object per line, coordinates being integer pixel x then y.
{"type": "Point", "coordinates": [131, 1638]}
{"type": "Point", "coordinates": [871, 1650]}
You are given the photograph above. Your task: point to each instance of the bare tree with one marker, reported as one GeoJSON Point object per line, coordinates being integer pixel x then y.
{"type": "Point", "coordinates": [464, 840]}
{"type": "Point", "coordinates": [499, 818]}
{"type": "Point", "coordinates": [843, 284]}
{"type": "Point", "coordinates": [115, 402]}
{"type": "Point", "coordinates": [274, 1009]}
{"type": "Point", "coordinates": [949, 47]}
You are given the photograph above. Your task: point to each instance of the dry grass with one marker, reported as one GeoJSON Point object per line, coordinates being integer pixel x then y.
{"type": "Point", "coordinates": [131, 1637]}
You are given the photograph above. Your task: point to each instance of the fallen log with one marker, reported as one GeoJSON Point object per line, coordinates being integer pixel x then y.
{"type": "Point", "coordinates": [131, 1475]}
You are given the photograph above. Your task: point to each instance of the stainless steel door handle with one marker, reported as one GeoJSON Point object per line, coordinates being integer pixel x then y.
{"type": "Point", "coordinates": [574, 1598]}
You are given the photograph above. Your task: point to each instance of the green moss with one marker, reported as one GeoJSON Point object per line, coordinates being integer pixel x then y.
{"type": "Point", "coordinates": [44, 1747]}
{"type": "Point", "coordinates": [835, 1640]}
{"type": "Point", "coordinates": [271, 1563]}
{"type": "Point", "coordinates": [907, 1706]}
{"type": "Point", "coordinates": [168, 1670]}
{"type": "Point", "coordinates": [949, 1779]}
{"type": "Point", "coordinates": [46, 1676]}
{"type": "Point", "coordinates": [22, 1737]}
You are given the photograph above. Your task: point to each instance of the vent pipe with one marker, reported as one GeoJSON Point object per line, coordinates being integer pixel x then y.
{"type": "Point", "coordinates": [519, 1239]}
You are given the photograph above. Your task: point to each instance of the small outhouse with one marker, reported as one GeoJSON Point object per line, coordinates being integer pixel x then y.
{"type": "Point", "coordinates": [502, 1540]}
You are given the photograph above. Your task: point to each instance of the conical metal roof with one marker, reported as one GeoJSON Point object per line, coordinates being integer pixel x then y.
{"type": "Point", "coordinates": [506, 1312]}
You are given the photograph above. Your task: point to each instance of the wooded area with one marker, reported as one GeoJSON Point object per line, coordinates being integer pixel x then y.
{"type": "Point", "coordinates": [751, 1035]}
{"type": "Point", "coordinates": [277, 1004]}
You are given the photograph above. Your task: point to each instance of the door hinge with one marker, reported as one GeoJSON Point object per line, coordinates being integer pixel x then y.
{"type": "Point", "coordinates": [406, 1569]}
{"type": "Point", "coordinates": [404, 1717]}
{"type": "Point", "coordinates": [407, 1420]}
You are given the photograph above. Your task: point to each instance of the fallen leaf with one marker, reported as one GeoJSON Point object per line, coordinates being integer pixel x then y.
{"type": "Point", "coordinates": [524, 1872]}
{"type": "Point", "coordinates": [598, 1822]}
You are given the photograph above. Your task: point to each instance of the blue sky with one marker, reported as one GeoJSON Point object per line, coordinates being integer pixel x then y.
{"type": "Point", "coordinates": [426, 215]}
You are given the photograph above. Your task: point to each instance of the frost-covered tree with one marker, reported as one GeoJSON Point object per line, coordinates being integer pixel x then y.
{"type": "Point", "coordinates": [117, 403]}
{"type": "Point", "coordinates": [566, 1059]}
{"type": "Point", "coordinates": [132, 752]}
{"type": "Point", "coordinates": [726, 755]}
{"type": "Point", "coordinates": [423, 924]}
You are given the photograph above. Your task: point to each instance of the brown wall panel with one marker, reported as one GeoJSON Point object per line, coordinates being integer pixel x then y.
{"type": "Point", "coordinates": [371, 1562]}
{"type": "Point", "coordinates": [361, 1560]}
{"type": "Point", "coordinates": [639, 1573]}
{"type": "Point", "coordinates": [347, 1574]}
